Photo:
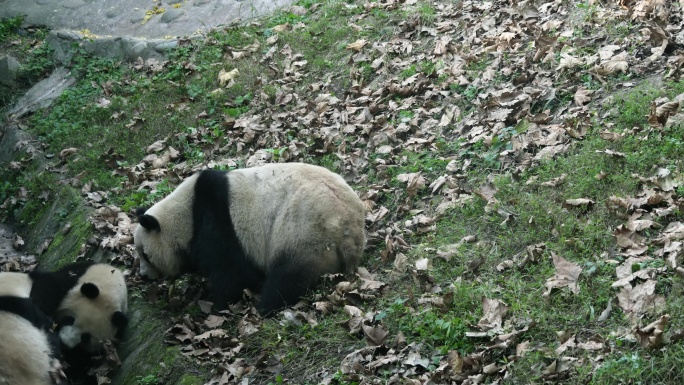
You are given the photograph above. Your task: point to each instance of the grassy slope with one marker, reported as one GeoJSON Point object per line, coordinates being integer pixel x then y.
{"type": "Point", "coordinates": [177, 103]}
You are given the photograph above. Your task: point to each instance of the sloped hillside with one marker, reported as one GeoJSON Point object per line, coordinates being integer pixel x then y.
{"type": "Point", "coordinates": [521, 163]}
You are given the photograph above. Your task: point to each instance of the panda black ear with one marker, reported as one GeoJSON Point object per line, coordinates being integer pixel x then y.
{"type": "Point", "coordinates": [90, 290]}
{"type": "Point", "coordinates": [149, 222]}
{"type": "Point", "coordinates": [119, 320]}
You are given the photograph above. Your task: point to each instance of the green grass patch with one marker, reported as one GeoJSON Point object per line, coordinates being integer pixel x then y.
{"type": "Point", "coordinates": [8, 27]}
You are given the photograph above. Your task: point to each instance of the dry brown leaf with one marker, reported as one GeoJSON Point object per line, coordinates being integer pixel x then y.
{"type": "Point", "coordinates": [566, 275]}
{"type": "Point", "coordinates": [555, 182]}
{"type": "Point", "coordinates": [627, 238]}
{"type": "Point", "coordinates": [579, 202]}
{"type": "Point", "coordinates": [67, 151]}
{"type": "Point", "coordinates": [281, 27]}
{"type": "Point", "coordinates": [615, 154]}
{"type": "Point", "coordinates": [225, 77]}
{"type": "Point", "coordinates": [658, 116]}
{"type": "Point", "coordinates": [651, 336]}
{"type": "Point", "coordinates": [582, 96]}
{"type": "Point", "coordinates": [494, 311]}
{"type": "Point", "coordinates": [357, 45]}
{"type": "Point", "coordinates": [353, 311]}
{"type": "Point", "coordinates": [414, 181]}
{"type": "Point", "coordinates": [568, 61]}
{"type": "Point", "coordinates": [376, 335]}
{"type": "Point", "coordinates": [641, 298]}
{"type": "Point", "coordinates": [214, 321]}
{"type": "Point", "coordinates": [422, 264]}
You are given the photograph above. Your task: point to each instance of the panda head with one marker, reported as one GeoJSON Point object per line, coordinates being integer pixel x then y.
{"type": "Point", "coordinates": [159, 251]}
{"type": "Point", "coordinates": [89, 316]}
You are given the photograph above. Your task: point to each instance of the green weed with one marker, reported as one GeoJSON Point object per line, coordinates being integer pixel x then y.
{"type": "Point", "coordinates": [8, 26]}
{"type": "Point", "coordinates": [150, 379]}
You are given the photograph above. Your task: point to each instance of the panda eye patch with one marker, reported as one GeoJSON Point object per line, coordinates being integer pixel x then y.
{"type": "Point", "coordinates": [67, 321]}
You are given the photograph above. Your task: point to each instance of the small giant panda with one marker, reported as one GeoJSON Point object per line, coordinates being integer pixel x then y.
{"type": "Point", "coordinates": [29, 351]}
{"type": "Point", "coordinates": [26, 356]}
{"type": "Point", "coordinates": [277, 228]}
{"type": "Point", "coordinates": [88, 301]}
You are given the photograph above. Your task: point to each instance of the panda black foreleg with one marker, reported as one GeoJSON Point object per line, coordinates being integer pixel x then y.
{"type": "Point", "coordinates": [285, 283]}
{"type": "Point", "coordinates": [229, 282]}
{"type": "Point", "coordinates": [226, 288]}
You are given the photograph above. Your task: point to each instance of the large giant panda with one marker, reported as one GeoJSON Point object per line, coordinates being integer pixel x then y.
{"type": "Point", "coordinates": [277, 228]}
{"type": "Point", "coordinates": [29, 351]}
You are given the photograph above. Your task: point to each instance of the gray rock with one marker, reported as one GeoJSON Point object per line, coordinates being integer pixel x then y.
{"type": "Point", "coordinates": [105, 47]}
{"type": "Point", "coordinates": [166, 46]}
{"type": "Point", "coordinates": [72, 4]}
{"type": "Point", "coordinates": [113, 12]}
{"type": "Point", "coordinates": [61, 44]}
{"type": "Point", "coordinates": [9, 68]}
{"type": "Point", "coordinates": [139, 49]}
{"type": "Point", "coordinates": [137, 19]}
{"type": "Point", "coordinates": [43, 93]}
{"type": "Point", "coordinates": [68, 35]}
{"type": "Point", "coordinates": [125, 17]}
{"type": "Point", "coordinates": [171, 15]}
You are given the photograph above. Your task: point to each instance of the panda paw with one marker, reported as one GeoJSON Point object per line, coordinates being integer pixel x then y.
{"type": "Point", "coordinates": [56, 373]}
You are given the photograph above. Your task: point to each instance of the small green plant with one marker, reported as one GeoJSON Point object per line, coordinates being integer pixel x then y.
{"type": "Point", "coordinates": [367, 71]}
{"type": "Point", "coordinates": [144, 199]}
{"type": "Point", "coordinates": [406, 115]}
{"type": "Point", "coordinates": [444, 332]}
{"type": "Point", "coordinates": [38, 63]}
{"type": "Point", "coordinates": [428, 68]}
{"type": "Point", "coordinates": [150, 379]}
{"type": "Point", "coordinates": [408, 72]}
{"type": "Point", "coordinates": [240, 106]}
{"type": "Point", "coordinates": [6, 190]}
{"type": "Point", "coordinates": [277, 152]}
{"type": "Point", "coordinates": [8, 26]}
{"type": "Point", "coordinates": [278, 380]}
{"type": "Point", "coordinates": [427, 13]}
{"type": "Point", "coordinates": [468, 93]}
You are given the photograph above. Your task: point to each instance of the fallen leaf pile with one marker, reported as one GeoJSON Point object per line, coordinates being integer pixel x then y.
{"type": "Point", "coordinates": [510, 62]}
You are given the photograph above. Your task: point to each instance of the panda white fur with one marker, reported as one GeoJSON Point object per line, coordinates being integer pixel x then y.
{"type": "Point", "coordinates": [88, 301]}
{"type": "Point", "coordinates": [25, 352]}
{"type": "Point", "coordinates": [28, 349]}
{"type": "Point", "coordinates": [277, 228]}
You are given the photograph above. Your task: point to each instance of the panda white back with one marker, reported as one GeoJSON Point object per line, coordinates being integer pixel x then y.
{"type": "Point", "coordinates": [297, 187]}
{"type": "Point", "coordinates": [15, 284]}
{"type": "Point", "coordinates": [24, 352]}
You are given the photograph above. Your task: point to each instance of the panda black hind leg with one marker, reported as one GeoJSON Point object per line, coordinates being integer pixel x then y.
{"type": "Point", "coordinates": [284, 284]}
